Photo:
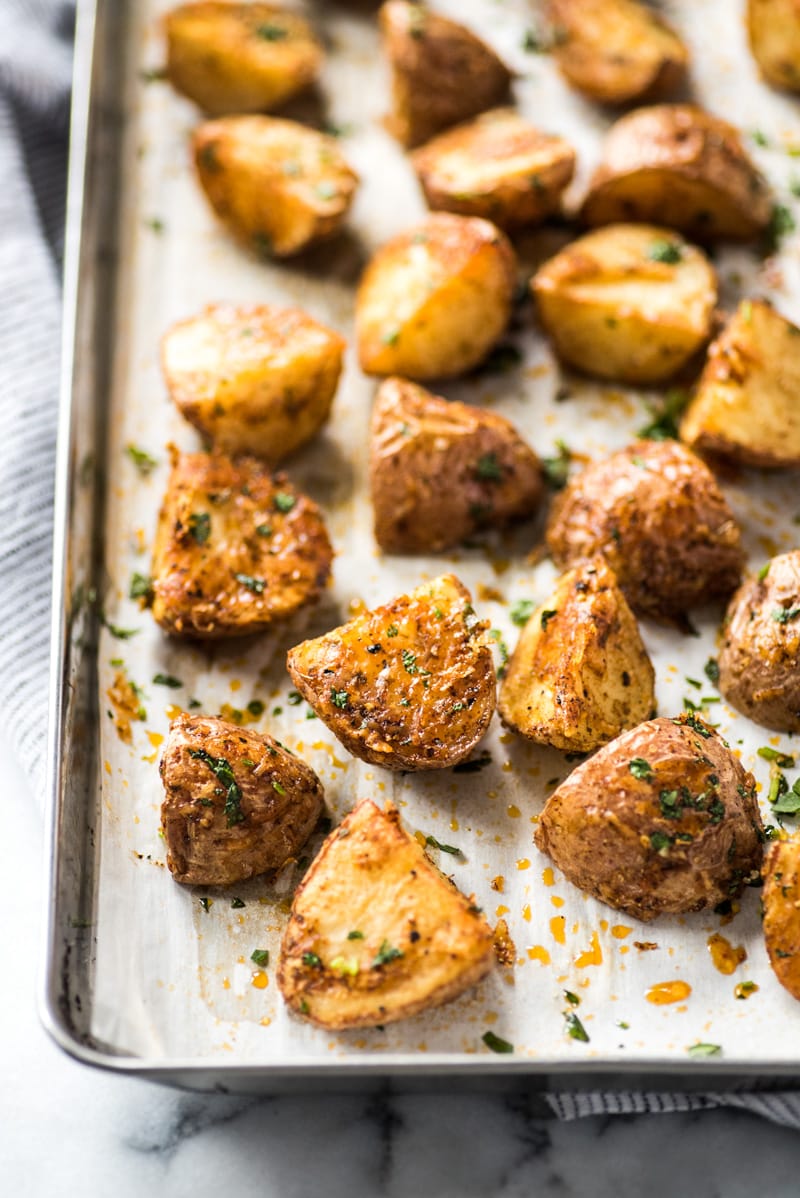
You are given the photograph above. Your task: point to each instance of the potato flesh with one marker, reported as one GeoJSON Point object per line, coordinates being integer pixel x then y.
{"type": "Point", "coordinates": [616, 50]}
{"type": "Point", "coordinates": [407, 686]}
{"type": "Point", "coordinates": [277, 185]}
{"type": "Point", "coordinates": [498, 167]}
{"type": "Point", "coordinates": [239, 57]}
{"type": "Point", "coordinates": [654, 511]}
{"type": "Point", "coordinates": [580, 673]}
{"type": "Point", "coordinates": [615, 835]}
{"type": "Point", "coordinates": [759, 662]}
{"type": "Point", "coordinates": [780, 900]}
{"type": "Point", "coordinates": [676, 165]}
{"type": "Point", "coordinates": [371, 877]}
{"type": "Point", "coordinates": [215, 837]}
{"type": "Point", "coordinates": [747, 404]}
{"type": "Point", "coordinates": [613, 311]}
{"type": "Point", "coordinates": [441, 72]}
{"type": "Point", "coordinates": [226, 517]}
{"type": "Point", "coordinates": [774, 30]}
{"type": "Point", "coordinates": [439, 470]}
{"type": "Point", "coordinates": [253, 379]}
{"type": "Point", "coordinates": [435, 299]}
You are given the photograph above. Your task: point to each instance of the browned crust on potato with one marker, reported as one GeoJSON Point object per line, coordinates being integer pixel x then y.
{"type": "Point", "coordinates": [239, 57]}
{"type": "Point", "coordinates": [225, 517]}
{"type": "Point", "coordinates": [616, 51]}
{"type": "Point", "coordinates": [243, 166]}
{"type": "Point", "coordinates": [441, 72]}
{"type": "Point", "coordinates": [435, 298]}
{"type": "Point", "coordinates": [497, 166]}
{"type": "Point", "coordinates": [580, 673]}
{"type": "Point", "coordinates": [227, 825]}
{"type": "Point", "coordinates": [409, 685]}
{"type": "Point", "coordinates": [253, 378]}
{"type": "Point", "coordinates": [684, 834]}
{"type": "Point", "coordinates": [654, 511]}
{"type": "Point", "coordinates": [440, 470]}
{"type": "Point", "coordinates": [745, 407]}
{"type": "Point", "coordinates": [677, 165]}
{"type": "Point", "coordinates": [773, 28]}
{"type": "Point", "coordinates": [759, 663]}
{"type": "Point", "coordinates": [421, 942]}
{"type": "Point", "coordinates": [780, 900]}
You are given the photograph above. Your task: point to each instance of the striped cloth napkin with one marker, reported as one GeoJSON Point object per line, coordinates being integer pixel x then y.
{"type": "Point", "coordinates": [35, 64]}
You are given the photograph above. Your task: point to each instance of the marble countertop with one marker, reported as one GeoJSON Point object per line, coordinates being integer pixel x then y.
{"type": "Point", "coordinates": [66, 1129]}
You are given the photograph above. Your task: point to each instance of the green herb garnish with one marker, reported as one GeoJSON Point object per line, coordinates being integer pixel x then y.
{"type": "Point", "coordinates": [256, 585]}
{"type": "Point", "coordinates": [665, 251]}
{"type": "Point", "coordinates": [283, 501]}
{"type": "Point", "coordinates": [496, 1043]}
{"type": "Point", "coordinates": [221, 768]}
{"type": "Point", "coordinates": [260, 955]}
{"type": "Point", "coordinates": [312, 960]}
{"type": "Point", "coordinates": [489, 468]}
{"type": "Point", "coordinates": [445, 848]}
{"type": "Point", "coordinates": [522, 611]}
{"type": "Point", "coordinates": [142, 460]}
{"type": "Point", "coordinates": [199, 525]}
{"type": "Point", "coordinates": [167, 680]}
{"type": "Point", "coordinates": [704, 1050]}
{"type": "Point", "coordinates": [575, 1029]}
{"type": "Point", "coordinates": [385, 954]}
{"type": "Point", "coordinates": [640, 768]}
{"type": "Point", "coordinates": [556, 469]}
{"type": "Point", "coordinates": [141, 587]}
{"type": "Point", "coordinates": [665, 417]}
{"type": "Point", "coordinates": [339, 699]}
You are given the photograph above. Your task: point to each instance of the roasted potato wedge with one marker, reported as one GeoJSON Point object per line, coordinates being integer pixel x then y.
{"type": "Point", "coordinates": [435, 299]}
{"type": "Point", "coordinates": [580, 673]}
{"type": "Point", "coordinates": [759, 663]}
{"type": "Point", "coordinates": [746, 406]}
{"type": "Point", "coordinates": [773, 27]}
{"type": "Point", "coordinates": [239, 57]}
{"type": "Point", "coordinates": [235, 550]}
{"type": "Point", "coordinates": [616, 51]}
{"type": "Point", "coordinates": [662, 820]}
{"type": "Point", "coordinates": [780, 900]}
{"type": "Point", "coordinates": [676, 165]}
{"type": "Point", "coordinates": [655, 513]}
{"type": "Point", "coordinates": [376, 932]}
{"type": "Point", "coordinates": [627, 302]}
{"type": "Point", "coordinates": [498, 167]}
{"type": "Point", "coordinates": [278, 186]}
{"type": "Point", "coordinates": [440, 470]}
{"type": "Point", "coordinates": [236, 802]}
{"type": "Point", "coordinates": [410, 685]}
{"type": "Point", "coordinates": [441, 73]}
{"type": "Point", "coordinates": [255, 379]}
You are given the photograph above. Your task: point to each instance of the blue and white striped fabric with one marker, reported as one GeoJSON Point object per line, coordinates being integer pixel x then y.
{"type": "Point", "coordinates": [35, 60]}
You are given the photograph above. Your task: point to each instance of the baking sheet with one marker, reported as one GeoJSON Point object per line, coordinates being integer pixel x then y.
{"type": "Point", "coordinates": [173, 980]}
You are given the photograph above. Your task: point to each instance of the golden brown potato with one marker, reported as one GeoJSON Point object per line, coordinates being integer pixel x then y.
{"type": "Point", "coordinates": [441, 470]}
{"type": "Point", "coordinates": [580, 673]}
{"type": "Point", "coordinates": [236, 802]}
{"type": "Point", "coordinates": [236, 548]}
{"type": "Point", "coordinates": [662, 820]}
{"type": "Point", "coordinates": [780, 901]}
{"type": "Point", "coordinates": [759, 664]}
{"type": "Point", "coordinates": [376, 932]}
{"type": "Point", "coordinates": [655, 513]}
{"type": "Point", "coordinates": [255, 379]}
{"type": "Point", "coordinates": [745, 407]}
{"type": "Point", "coordinates": [497, 166]}
{"type": "Point", "coordinates": [278, 186]}
{"type": "Point", "coordinates": [441, 73]}
{"type": "Point", "coordinates": [239, 57]}
{"type": "Point", "coordinates": [774, 30]}
{"type": "Point", "coordinates": [627, 302]}
{"type": "Point", "coordinates": [435, 299]}
{"type": "Point", "coordinates": [407, 686]}
{"type": "Point", "coordinates": [616, 50]}
{"type": "Point", "coordinates": [676, 165]}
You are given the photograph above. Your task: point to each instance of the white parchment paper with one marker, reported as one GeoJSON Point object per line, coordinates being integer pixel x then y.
{"type": "Point", "coordinates": [174, 980]}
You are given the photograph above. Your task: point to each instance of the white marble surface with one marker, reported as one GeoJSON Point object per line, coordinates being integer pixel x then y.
{"type": "Point", "coordinates": [66, 1130]}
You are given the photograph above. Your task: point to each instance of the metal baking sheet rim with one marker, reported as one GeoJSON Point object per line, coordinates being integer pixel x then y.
{"type": "Point", "coordinates": [90, 172]}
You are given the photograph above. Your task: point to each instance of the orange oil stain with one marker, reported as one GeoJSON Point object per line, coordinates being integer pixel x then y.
{"type": "Point", "coordinates": [548, 877]}
{"type": "Point", "coordinates": [260, 980]}
{"type": "Point", "coordinates": [323, 747]}
{"type": "Point", "coordinates": [523, 863]}
{"type": "Point", "coordinates": [501, 910]}
{"type": "Point", "coordinates": [226, 983]}
{"type": "Point", "coordinates": [513, 811]}
{"type": "Point", "coordinates": [593, 954]}
{"type": "Point", "coordinates": [356, 606]}
{"type": "Point", "coordinates": [557, 924]}
{"type": "Point", "coordinates": [725, 956]}
{"type": "Point", "coordinates": [150, 757]}
{"type": "Point", "coordinates": [107, 766]}
{"type": "Point", "coordinates": [556, 900]}
{"type": "Point", "coordinates": [506, 767]}
{"type": "Point", "coordinates": [155, 739]}
{"type": "Point", "coordinates": [603, 925]}
{"type": "Point", "coordinates": [235, 684]}
{"type": "Point", "coordinates": [539, 953]}
{"type": "Point", "coordinates": [173, 711]}
{"type": "Point", "coordinates": [498, 884]}
{"type": "Point", "coordinates": [663, 993]}
{"type": "Point", "coordinates": [526, 913]}
{"type": "Point", "coordinates": [620, 931]}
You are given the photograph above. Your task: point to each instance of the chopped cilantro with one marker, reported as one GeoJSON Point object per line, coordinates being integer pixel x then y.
{"type": "Point", "coordinates": [237, 904]}
{"type": "Point", "coordinates": [522, 611]}
{"type": "Point", "coordinates": [339, 699]}
{"type": "Point", "coordinates": [547, 616]}
{"type": "Point", "coordinates": [784, 760]}
{"type": "Point", "coordinates": [200, 527]}
{"type": "Point", "coordinates": [221, 768]}
{"type": "Point", "coordinates": [270, 32]}
{"type": "Point", "coordinates": [572, 999]}
{"type": "Point", "coordinates": [665, 417]}
{"type": "Point", "coordinates": [660, 842]}
{"type": "Point", "coordinates": [489, 468]}
{"type": "Point", "coordinates": [704, 1050]}
{"type": "Point", "coordinates": [782, 615]}
{"type": "Point", "coordinates": [312, 960]}
{"type": "Point", "coordinates": [294, 698]}
{"type": "Point", "coordinates": [556, 469]}
{"type": "Point", "coordinates": [665, 251]}
{"type": "Point", "coordinates": [496, 1043]}
{"type": "Point", "coordinates": [575, 1029]}
{"type": "Point", "coordinates": [355, 935]}
{"type": "Point", "coordinates": [264, 530]}
{"type": "Point", "coordinates": [711, 670]}
{"type": "Point", "coordinates": [385, 954]}
{"type": "Point", "coordinates": [392, 630]}
{"type": "Point", "coordinates": [256, 585]}
{"type": "Point", "coordinates": [167, 680]}
{"type": "Point", "coordinates": [640, 768]}
{"type": "Point", "coordinates": [260, 955]}
{"type": "Point", "coordinates": [445, 848]}
{"type": "Point", "coordinates": [206, 903]}
{"type": "Point", "coordinates": [283, 501]}
{"type": "Point", "coordinates": [255, 707]}
{"type": "Point", "coordinates": [141, 587]}
{"type": "Point", "coordinates": [142, 460]}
